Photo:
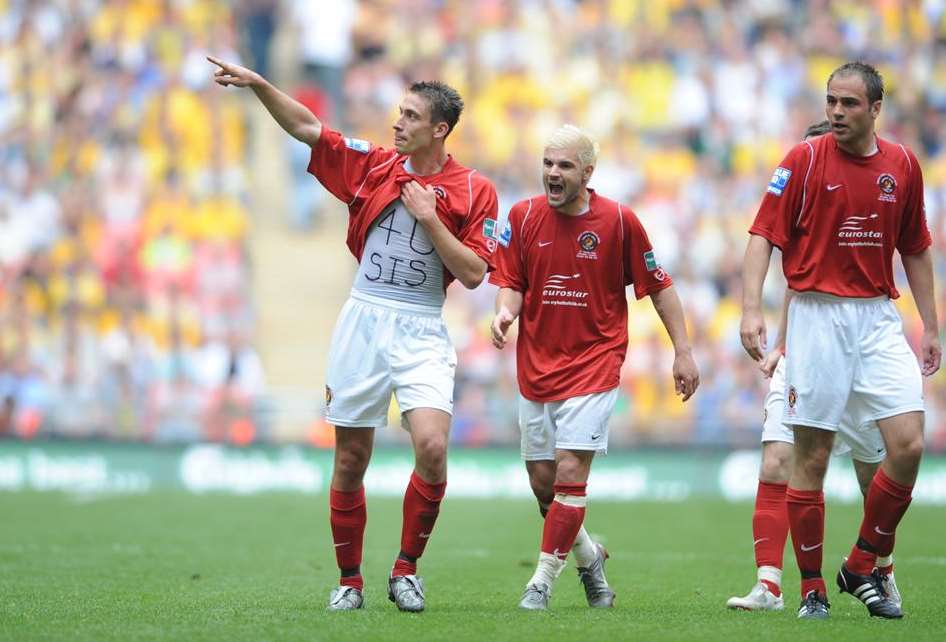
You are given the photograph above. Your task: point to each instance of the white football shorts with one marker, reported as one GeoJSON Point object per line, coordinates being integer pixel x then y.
{"type": "Point", "coordinates": [376, 350]}
{"type": "Point", "coordinates": [862, 440]}
{"type": "Point", "coordinates": [847, 355]}
{"type": "Point", "coordinates": [578, 423]}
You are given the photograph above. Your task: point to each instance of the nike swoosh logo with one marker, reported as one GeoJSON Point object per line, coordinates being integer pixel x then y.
{"type": "Point", "coordinates": [424, 535]}
{"type": "Point", "coordinates": [342, 544]}
{"type": "Point", "coordinates": [831, 188]}
{"type": "Point", "coordinates": [880, 532]}
{"type": "Point", "coordinates": [559, 555]}
{"type": "Point", "coordinates": [806, 549]}
{"type": "Point", "coordinates": [759, 541]}
{"type": "Point", "coordinates": [544, 243]}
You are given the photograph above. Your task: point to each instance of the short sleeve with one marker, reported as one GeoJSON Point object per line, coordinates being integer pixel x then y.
{"type": "Point", "coordinates": [342, 164]}
{"type": "Point", "coordinates": [480, 229]}
{"type": "Point", "coordinates": [640, 263]}
{"type": "Point", "coordinates": [784, 197]}
{"type": "Point", "coordinates": [914, 233]}
{"type": "Point", "coordinates": [510, 266]}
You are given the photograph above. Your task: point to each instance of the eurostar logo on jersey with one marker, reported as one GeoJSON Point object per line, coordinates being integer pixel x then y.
{"type": "Point", "coordinates": [358, 145]}
{"type": "Point", "coordinates": [779, 181]}
{"type": "Point", "coordinates": [558, 291]}
{"type": "Point", "coordinates": [588, 241]}
{"type": "Point", "coordinates": [855, 232]}
{"type": "Point", "coordinates": [888, 185]}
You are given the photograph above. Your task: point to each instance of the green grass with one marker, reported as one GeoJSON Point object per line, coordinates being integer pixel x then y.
{"type": "Point", "coordinates": [175, 566]}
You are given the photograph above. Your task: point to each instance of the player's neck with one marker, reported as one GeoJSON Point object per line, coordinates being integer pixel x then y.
{"type": "Point", "coordinates": [864, 147]}
{"type": "Point", "coordinates": [425, 162]}
{"type": "Point", "coordinates": [577, 206]}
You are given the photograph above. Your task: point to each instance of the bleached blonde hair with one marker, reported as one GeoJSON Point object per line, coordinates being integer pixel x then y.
{"type": "Point", "coordinates": [570, 136]}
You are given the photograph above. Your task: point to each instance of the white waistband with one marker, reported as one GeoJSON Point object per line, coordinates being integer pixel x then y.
{"type": "Point", "coordinates": [398, 306]}
{"type": "Point", "coordinates": [832, 298]}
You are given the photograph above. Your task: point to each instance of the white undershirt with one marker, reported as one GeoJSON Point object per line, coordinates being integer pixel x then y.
{"type": "Point", "coordinates": [399, 262]}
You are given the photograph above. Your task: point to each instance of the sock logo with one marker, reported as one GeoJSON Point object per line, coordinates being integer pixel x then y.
{"type": "Point", "coordinates": [342, 544]}
{"type": "Point", "coordinates": [424, 535]}
{"type": "Point", "coordinates": [880, 532]}
{"type": "Point", "coordinates": [759, 541]}
{"type": "Point", "coordinates": [806, 549]}
{"type": "Point", "coordinates": [559, 555]}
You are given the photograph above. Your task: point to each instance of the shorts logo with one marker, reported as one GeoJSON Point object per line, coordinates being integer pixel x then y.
{"type": "Point", "coordinates": [888, 185]}
{"type": "Point", "coordinates": [358, 145]}
{"type": "Point", "coordinates": [490, 229]}
{"type": "Point", "coordinates": [779, 181]}
{"type": "Point", "coordinates": [439, 191]}
{"type": "Point", "coordinates": [328, 396]}
{"type": "Point", "coordinates": [588, 242]}
{"type": "Point", "coordinates": [792, 396]}
{"type": "Point", "coordinates": [765, 415]}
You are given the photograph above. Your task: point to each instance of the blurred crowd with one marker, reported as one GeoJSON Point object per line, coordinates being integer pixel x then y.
{"type": "Point", "coordinates": [124, 290]}
{"type": "Point", "coordinates": [694, 102]}
{"type": "Point", "coordinates": [124, 302]}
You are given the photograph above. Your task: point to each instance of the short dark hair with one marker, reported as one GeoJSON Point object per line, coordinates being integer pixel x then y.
{"type": "Point", "coordinates": [817, 129]}
{"type": "Point", "coordinates": [445, 102]}
{"type": "Point", "coordinates": [871, 77]}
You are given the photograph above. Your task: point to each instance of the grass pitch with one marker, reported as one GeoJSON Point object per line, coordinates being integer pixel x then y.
{"type": "Point", "coordinates": [175, 566]}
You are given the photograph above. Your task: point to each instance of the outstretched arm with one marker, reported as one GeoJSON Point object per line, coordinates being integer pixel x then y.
{"type": "Point", "coordinates": [754, 266]}
{"type": "Point", "coordinates": [686, 376]}
{"type": "Point", "coordinates": [508, 307]}
{"type": "Point", "coordinates": [299, 122]}
{"type": "Point", "coordinates": [919, 269]}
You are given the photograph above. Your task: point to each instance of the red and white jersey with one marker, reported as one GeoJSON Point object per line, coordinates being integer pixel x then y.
{"type": "Point", "coordinates": [572, 271]}
{"type": "Point", "coordinates": [838, 217]}
{"type": "Point", "coordinates": [369, 178]}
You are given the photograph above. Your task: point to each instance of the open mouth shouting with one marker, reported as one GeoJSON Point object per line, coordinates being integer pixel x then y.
{"type": "Point", "coordinates": [556, 188]}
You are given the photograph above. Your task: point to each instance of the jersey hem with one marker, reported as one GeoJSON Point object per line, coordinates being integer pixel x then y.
{"type": "Point", "coordinates": [570, 395]}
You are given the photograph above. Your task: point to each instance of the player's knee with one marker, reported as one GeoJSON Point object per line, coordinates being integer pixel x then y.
{"type": "Point", "coordinates": [431, 452]}
{"type": "Point", "coordinates": [351, 462]}
{"type": "Point", "coordinates": [776, 467]}
{"type": "Point", "coordinates": [907, 452]}
{"type": "Point", "coordinates": [815, 466]}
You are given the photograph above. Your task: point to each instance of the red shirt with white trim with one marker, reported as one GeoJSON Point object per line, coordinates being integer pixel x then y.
{"type": "Point", "coordinates": [369, 178]}
{"type": "Point", "coordinates": [572, 272]}
{"type": "Point", "coordinates": [838, 218]}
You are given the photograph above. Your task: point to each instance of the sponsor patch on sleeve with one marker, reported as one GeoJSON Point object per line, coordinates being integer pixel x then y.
{"type": "Point", "coordinates": [358, 145]}
{"type": "Point", "coordinates": [506, 236]}
{"type": "Point", "coordinates": [490, 229]}
{"type": "Point", "coordinates": [779, 181]}
{"type": "Point", "coordinates": [650, 262]}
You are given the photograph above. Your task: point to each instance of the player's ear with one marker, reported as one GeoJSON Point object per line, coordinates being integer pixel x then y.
{"type": "Point", "coordinates": [875, 108]}
{"type": "Point", "coordinates": [441, 130]}
{"type": "Point", "coordinates": [587, 172]}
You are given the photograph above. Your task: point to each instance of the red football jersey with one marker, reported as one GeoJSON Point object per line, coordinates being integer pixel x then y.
{"type": "Point", "coordinates": [369, 178]}
{"type": "Point", "coordinates": [572, 271]}
{"type": "Point", "coordinates": [838, 218]}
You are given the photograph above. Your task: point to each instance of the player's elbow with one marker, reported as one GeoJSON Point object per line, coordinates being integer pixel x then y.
{"type": "Point", "coordinates": [473, 275]}
{"type": "Point", "coordinates": [307, 133]}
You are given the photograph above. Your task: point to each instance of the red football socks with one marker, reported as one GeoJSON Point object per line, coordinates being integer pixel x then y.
{"type": "Point", "coordinates": [806, 517]}
{"type": "Point", "coordinates": [421, 507]}
{"type": "Point", "coordinates": [348, 515]}
{"type": "Point", "coordinates": [564, 519]}
{"type": "Point", "coordinates": [770, 528]}
{"type": "Point", "coordinates": [887, 501]}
